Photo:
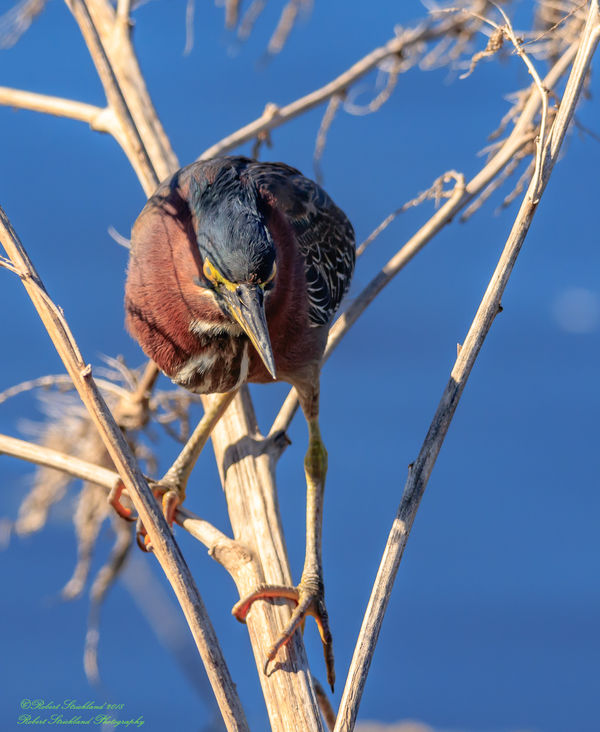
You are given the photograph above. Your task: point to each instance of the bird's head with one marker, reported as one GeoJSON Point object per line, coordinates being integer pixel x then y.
{"type": "Point", "coordinates": [238, 254]}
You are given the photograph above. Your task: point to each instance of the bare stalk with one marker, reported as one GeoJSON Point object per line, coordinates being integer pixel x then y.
{"type": "Point", "coordinates": [421, 469]}
{"type": "Point", "coordinates": [246, 459]}
{"type": "Point", "coordinates": [249, 483]}
{"type": "Point", "coordinates": [461, 197]}
{"type": "Point", "coordinates": [338, 87]}
{"type": "Point", "coordinates": [166, 550]}
{"type": "Point", "coordinates": [50, 458]}
{"type": "Point", "coordinates": [98, 118]}
{"type": "Point", "coordinates": [221, 546]}
{"type": "Point", "coordinates": [99, 49]}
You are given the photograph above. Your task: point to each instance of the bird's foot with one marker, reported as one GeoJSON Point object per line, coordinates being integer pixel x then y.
{"type": "Point", "coordinates": [171, 497]}
{"type": "Point", "coordinates": [309, 600]}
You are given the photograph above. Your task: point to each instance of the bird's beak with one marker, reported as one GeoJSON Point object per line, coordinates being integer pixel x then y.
{"type": "Point", "coordinates": [246, 305]}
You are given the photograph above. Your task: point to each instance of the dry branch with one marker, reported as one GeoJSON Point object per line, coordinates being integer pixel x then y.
{"type": "Point", "coordinates": [246, 459]}
{"type": "Point", "coordinates": [98, 118]}
{"type": "Point", "coordinates": [249, 486]}
{"type": "Point", "coordinates": [326, 122]}
{"type": "Point", "coordinates": [166, 550]}
{"type": "Point", "coordinates": [463, 194]}
{"type": "Point", "coordinates": [214, 540]}
{"type": "Point", "coordinates": [421, 469]}
{"type": "Point", "coordinates": [339, 86]}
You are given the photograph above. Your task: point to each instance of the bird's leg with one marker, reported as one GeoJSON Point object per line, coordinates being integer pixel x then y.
{"type": "Point", "coordinates": [171, 487]}
{"type": "Point", "coordinates": [309, 595]}
{"type": "Point", "coordinates": [177, 475]}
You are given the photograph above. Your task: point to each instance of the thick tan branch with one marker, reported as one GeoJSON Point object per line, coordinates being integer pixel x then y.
{"type": "Point", "coordinates": [248, 481]}
{"type": "Point", "coordinates": [131, 141]}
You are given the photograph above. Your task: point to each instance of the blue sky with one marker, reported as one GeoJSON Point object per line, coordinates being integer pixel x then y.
{"type": "Point", "coordinates": [493, 623]}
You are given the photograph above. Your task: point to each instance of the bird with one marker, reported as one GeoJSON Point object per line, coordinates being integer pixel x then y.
{"type": "Point", "coordinates": [237, 268]}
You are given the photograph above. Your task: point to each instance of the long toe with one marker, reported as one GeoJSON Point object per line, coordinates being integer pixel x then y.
{"type": "Point", "coordinates": [308, 601]}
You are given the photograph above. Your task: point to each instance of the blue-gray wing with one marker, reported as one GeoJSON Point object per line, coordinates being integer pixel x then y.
{"type": "Point", "coordinates": [323, 234]}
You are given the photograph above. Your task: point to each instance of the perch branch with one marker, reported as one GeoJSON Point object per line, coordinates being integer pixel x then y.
{"type": "Point", "coordinates": [202, 530]}
{"type": "Point", "coordinates": [244, 457]}
{"type": "Point", "coordinates": [247, 476]}
{"type": "Point", "coordinates": [420, 471]}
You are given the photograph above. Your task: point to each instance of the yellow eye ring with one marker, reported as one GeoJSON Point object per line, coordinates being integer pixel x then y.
{"type": "Point", "coordinates": [213, 275]}
{"type": "Point", "coordinates": [209, 271]}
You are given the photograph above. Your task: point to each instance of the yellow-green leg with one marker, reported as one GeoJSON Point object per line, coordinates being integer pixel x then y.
{"type": "Point", "coordinates": [178, 474]}
{"type": "Point", "coordinates": [171, 487]}
{"type": "Point", "coordinates": [309, 594]}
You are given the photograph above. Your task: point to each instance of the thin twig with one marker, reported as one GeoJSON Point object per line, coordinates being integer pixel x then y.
{"type": "Point", "coordinates": [62, 381]}
{"type": "Point", "coordinates": [249, 18]}
{"type": "Point", "coordinates": [284, 26]}
{"type": "Point", "coordinates": [375, 104]}
{"type": "Point", "coordinates": [16, 21]}
{"type": "Point", "coordinates": [421, 469]}
{"type": "Point", "coordinates": [554, 26]}
{"type": "Point", "coordinates": [339, 85]}
{"type": "Point", "coordinates": [105, 478]}
{"type": "Point", "coordinates": [519, 187]}
{"type": "Point", "coordinates": [443, 216]}
{"type": "Point", "coordinates": [5, 264]}
{"type": "Point", "coordinates": [190, 8]}
{"type": "Point", "coordinates": [129, 138]}
{"type": "Point", "coordinates": [543, 92]}
{"type": "Point", "coordinates": [326, 122]}
{"type": "Point", "coordinates": [435, 191]}
{"type": "Point", "coordinates": [493, 187]}
{"type": "Point", "coordinates": [508, 32]}
{"type": "Point", "coordinates": [232, 9]}
{"type": "Point", "coordinates": [100, 587]}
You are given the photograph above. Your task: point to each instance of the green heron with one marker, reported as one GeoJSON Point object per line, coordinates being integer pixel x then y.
{"type": "Point", "coordinates": [237, 268]}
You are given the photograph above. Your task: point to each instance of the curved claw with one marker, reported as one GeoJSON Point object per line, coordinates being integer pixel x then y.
{"type": "Point", "coordinates": [114, 499]}
{"type": "Point", "coordinates": [142, 538]}
{"type": "Point", "coordinates": [171, 500]}
{"type": "Point", "coordinates": [308, 602]}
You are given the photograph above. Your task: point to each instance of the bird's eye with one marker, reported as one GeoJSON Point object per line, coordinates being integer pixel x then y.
{"type": "Point", "coordinates": [268, 283]}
